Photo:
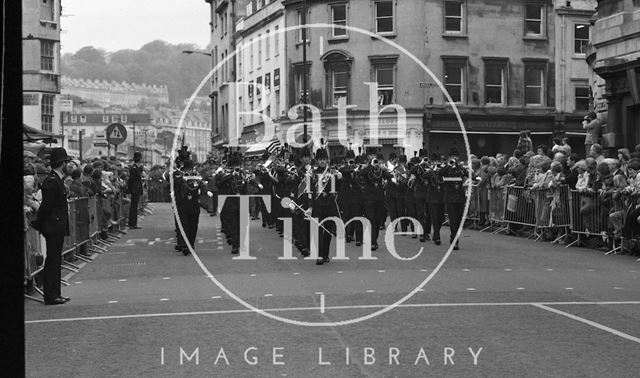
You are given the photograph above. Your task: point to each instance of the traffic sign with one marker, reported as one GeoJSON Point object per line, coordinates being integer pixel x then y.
{"type": "Point", "coordinates": [116, 133]}
{"type": "Point", "coordinates": [66, 105]}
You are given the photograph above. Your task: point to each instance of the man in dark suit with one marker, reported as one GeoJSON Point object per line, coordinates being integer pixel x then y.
{"type": "Point", "coordinates": [134, 187]}
{"type": "Point", "coordinates": [53, 223]}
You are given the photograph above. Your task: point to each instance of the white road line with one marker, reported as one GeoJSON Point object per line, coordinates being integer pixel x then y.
{"type": "Point", "coordinates": [296, 274]}
{"type": "Point", "coordinates": [381, 271]}
{"type": "Point", "coordinates": [122, 280]}
{"type": "Point", "coordinates": [78, 282]}
{"type": "Point", "coordinates": [322, 303]}
{"type": "Point", "coordinates": [520, 288]}
{"type": "Point", "coordinates": [351, 307]}
{"type": "Point", "coordinates": [466, 270]}
{"type": "Point", "coordinates": [166, 278]}
{"type": "Point", "coordinates": [339, 272]}
{"type": "Point", "coordinates": [216, 297]}
{"type": "Point", "coordinates": [420, 289]}
{"type": "Point", "coordinates": [617, 288]}
{"type": "Point", "coordinates": [471, 289]}
{"type": "Point", "coordinates": [319, 293]}
{"type": "Point", "coordinates": [423, 270]}
{"type": "Point", "coordinates": [113, 302]}
{"type": "Point", "coordinates": [549, 270]}
{"type": "Point", "coordinates": [268, 295]}
{"type": "Point", "coordinates": [591, 270]}
{"type": "Point", "coordinates": [164, 299]}
{"type": "Point", "coordinates": [589, 322]}
{"type": "Point", "coordinates": [371, 291]}
{"type": "Point", "coordinates": [253, 275]}
{"type": "Point", "coordinates": [508, 270]}
{"type": "Point", "coordinates": [568, 288]}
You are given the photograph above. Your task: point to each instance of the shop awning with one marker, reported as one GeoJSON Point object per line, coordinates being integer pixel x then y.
{"type": "Point", "coordinates": [31, 134]}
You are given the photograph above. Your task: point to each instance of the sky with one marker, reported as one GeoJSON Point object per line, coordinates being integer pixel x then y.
{"type": "Point", "coordinates": [129, 24]}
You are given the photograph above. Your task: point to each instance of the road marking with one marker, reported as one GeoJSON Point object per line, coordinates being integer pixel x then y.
{"type": "Point", "coordinates": [253, 275]}
{"type": "Point", "coordinates": [617, 288]}
{"type": "Point", "coordinates": [123, 280]}
{"type": "Point", "coordinates": [471, 289]}
{"type": "Point", "coordinates": [508, 270]}
{"type": "Point", "coordinates": [319, 293]}
{"type": "Point", "coordinates": [423, 270]}
{"type": "Point", "coordinates": [166, 278]}
{"type": "Point", "coordinates": [549, 270]}
{"type": "Point", "coordinates": [568, 288]}
{"type": "Point", "coordinates": [520, 288]}
{"type": "Point", "coordinates": [350, 307]}
{"type": "Point", "coordinates": [589, 322]}
{"type": "Point", "coordinates": [420, 289]}
{"type": "Point", "coordinates": [78, 282]}
{"type": "Point", "coordinates": [339, 272]}
{"type": "Point", "coordinates": [164, 299]}
{"type": "Point", "coordinates": [371, 291]}
{"type": "Point", "coordinates": [296, 274]}
{"type": "Point", "coordinates": [268, 295]}
{"type": "Point", "coordinates": [216, 297]}
{"type": "Point", "coordinates": [321, 303]}
{"type": "Point", "coordinates": [381, 271]}
{"type": "Point", "coordinates": [466, 270]}
{"type": "Point", "coordinates": [113, 301]}
{"type": "Point", "coordinates": [591, 270]}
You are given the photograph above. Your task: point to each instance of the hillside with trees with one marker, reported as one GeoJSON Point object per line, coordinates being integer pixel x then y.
{"type": "Point", "coordinates": [157, 62]}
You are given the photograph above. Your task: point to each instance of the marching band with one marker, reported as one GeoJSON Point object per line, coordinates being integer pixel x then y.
{"type": "Point", "coordinates": [309, 189]}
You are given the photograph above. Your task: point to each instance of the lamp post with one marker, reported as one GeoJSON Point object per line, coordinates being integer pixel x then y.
{"type": "Point", "coordinates": [304, 68]}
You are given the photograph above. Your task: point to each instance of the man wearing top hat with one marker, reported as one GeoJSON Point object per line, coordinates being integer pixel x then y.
{"type": "Point", "coordinates": [134, 187]}
{"type": "Point", "coordinates": [53, 223]}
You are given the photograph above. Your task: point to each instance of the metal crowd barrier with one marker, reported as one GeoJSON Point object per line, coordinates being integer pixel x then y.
{"type": "Point", "coordinates": [589, 214]}
{"type": "Point", "coordinates": [473, 214]}
{"type": "Point", "coordinates": [496, 210]}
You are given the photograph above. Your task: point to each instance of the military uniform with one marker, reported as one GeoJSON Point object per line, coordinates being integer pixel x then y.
{"type": "Point", "coordinates": [453, 178]}
{"type": "Point", "coordinates": [373, 196]}
{"type": "Point", "coordinates": [324, 206]}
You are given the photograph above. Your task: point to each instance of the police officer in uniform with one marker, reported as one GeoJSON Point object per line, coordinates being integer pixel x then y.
{"type": "Point", "coordinates": [453, 177]}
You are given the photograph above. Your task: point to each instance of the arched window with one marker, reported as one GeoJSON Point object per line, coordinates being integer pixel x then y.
{"type": "Point", "coordinates": [337, 65]}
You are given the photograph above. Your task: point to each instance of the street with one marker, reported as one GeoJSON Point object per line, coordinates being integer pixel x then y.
{"type": "Point", "coordinates": [500, 306]}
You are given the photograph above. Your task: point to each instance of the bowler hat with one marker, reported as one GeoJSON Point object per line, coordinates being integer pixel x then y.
{"type": "Point", "coordinates": [58, 154]}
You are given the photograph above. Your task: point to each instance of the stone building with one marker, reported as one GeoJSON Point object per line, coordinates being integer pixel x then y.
{"type": "Point", "coordinates": [495, 58]}
{"type": "Point", "coordinates": [103, 93]}
{"type": "Point", "coordinates": [41, 65]}
{"type": "Point", "coordinates": [615, 58]}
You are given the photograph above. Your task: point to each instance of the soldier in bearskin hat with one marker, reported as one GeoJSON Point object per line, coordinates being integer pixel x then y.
{"type": "Point", "coordinates": [453, 177]}
{"type": "Point", "coordinates": [373, 176]}
{"type": "Point", "coordinates": [351, 193]}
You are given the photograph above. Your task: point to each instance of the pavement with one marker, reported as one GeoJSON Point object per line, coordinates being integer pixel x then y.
{"type": "Point", "coordinates": [500, 306]}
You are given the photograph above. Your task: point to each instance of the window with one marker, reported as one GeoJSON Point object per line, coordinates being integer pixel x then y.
{"type": "Point", "coordinates": [276, 47]}
{"type": "Point", "coordinates": [582, 98]}
{"type": "Point", "coordinates": [454, 80]}
{"type": "Point", "coordinates": [251, 54]}
{"type": "Point", "coordinates": [250, 90]}
{"type": "Point", "coordinates": [453, 17]}
{"type": "Point", "coordinates": [74, 119]}
{"type": "Point", "coordinates": [277, 107]}
{"type": "Point", "coordinates": [300, 86]}
{"type": "Point", "coordinates": [47, 112]}
{"type": "Point", "coordinates": [267, 82]}
{"type": "Point", "coordinates": [65, 118]}
{"type": "Point", "coordinates": [46, 55]}
{"type": "Point", "coordinates": [534, 16]}
{"type": "Point", "coordinates": [384, 16]}
{"type": "Point", "coordinates": [534, 85]}
{"type": "Point", "coordinates": [276, 79]}
{"type": "Point", "coordinates": [384, 78]}
{"type": "Point", "coordinates": [105, 119]}
{"type": "Point", "coordinates": [581, 38]}
{"type": "Point", "coordinates": [339, 17]}
{"type": "Point", "coordinates": [340, 87]}
{"type": "Point", "coordinates": [83, 119]}
{"type": "Point", "coordinates": [495, 78]}
{"type": "Point", "coordinates": [259, 51]}
{"type": "Point", "coordinates": [259, 86]}
{"type": "Point", "coordinates": [302, 31]}
{"type": "Point", "coordinates": [267, 47]}
{"type": "Point", "coordinates": [46, 10]}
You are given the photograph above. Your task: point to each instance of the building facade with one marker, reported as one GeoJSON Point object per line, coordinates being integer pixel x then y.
{"type": "Point", "coordinates": [260, 64]}
{"type": "Point", "coordinates": [615, 58]}
{"type": "Point", "coordinates": [573, 77]}
{"type": "Point", "coordinates": [103, 93]}
{"type": "Point", "coordinates": [41, 65]}
{"type": "Point", "coordinates": [223, 15]}
{"type": "Point", "coordinates": [500, 85]}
